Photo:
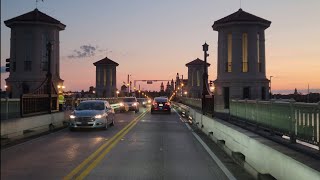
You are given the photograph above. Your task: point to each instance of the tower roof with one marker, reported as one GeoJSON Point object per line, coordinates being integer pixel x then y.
{"type": "Point", "coordinates": [196, 62]}
{"type": "Point", "coordinates": [240, 17]}
{"type": "Point", "coordinates": [34, 16]}
{"type": "Point", "coordinates": [106, 61]}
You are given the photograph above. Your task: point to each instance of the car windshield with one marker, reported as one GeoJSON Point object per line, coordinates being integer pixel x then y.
{"type": "Point", "coordinates": [129, 100]}
{"type": "Point", "coordinates": [90, 106]}
{"type": "Point", "coordinates": [161, 100]}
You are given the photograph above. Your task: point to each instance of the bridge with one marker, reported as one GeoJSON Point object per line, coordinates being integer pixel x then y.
{"type": "Point", "coordinates": [183, 145]}
{"type": "Point", "coordinates": [227, 128]}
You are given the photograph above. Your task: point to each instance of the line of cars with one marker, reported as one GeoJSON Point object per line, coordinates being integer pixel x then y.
{"type": "Point", "coordinates": [100, 114]}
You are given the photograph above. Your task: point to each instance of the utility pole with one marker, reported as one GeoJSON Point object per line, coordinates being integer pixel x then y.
{"type": "Point", "coordinates": [205, 77]}
{"type": "Point", "coordinates": [49, 77]}
{"type": "Point", "coordinates": [270, 88]}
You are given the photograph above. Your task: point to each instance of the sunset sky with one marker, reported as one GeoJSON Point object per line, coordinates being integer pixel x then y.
{"type": "Point", "coordinates": [154, 39]}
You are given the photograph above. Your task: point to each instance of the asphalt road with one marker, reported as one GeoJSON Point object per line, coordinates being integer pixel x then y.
{"type": "Point", "coordinates": [139, 146]}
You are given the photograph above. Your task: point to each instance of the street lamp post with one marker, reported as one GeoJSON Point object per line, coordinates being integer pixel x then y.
{"type": "Point", "coordinates": [49, 77]}
{"type": "Point", "coordinates": [205, 77]}
{"type": "Point", "coordinates": [270, 88]}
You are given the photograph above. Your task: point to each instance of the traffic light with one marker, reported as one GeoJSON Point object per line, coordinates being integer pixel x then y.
{"type": "Point", "coordinates": [211, 83]}
{"type": "Point", "coordinates": [8, 65]}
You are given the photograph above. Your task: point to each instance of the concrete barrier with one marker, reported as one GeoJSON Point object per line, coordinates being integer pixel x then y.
{"type": "Point", "coordinates": [261, 157]}
{"type": "Point", "coordinates": [13, 129]}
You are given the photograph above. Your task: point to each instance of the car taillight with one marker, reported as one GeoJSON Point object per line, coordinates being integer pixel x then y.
{"type": "Point", "coordinates": [167, 103]}
{"type": "Point", "coordinates": [154, 104]}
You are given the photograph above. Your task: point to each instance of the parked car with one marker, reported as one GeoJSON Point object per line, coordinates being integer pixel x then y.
{"type": "Point", "coordinates": [92, 114]}
{"type": "Point", "coordinates": [129, 104]}
{"type": "Point", "coordinates": [160, 104]}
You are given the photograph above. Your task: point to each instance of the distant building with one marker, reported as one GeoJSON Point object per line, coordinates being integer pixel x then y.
{"type": "Point", "coordinates": [30, 34]}
{"type": "Point", "coordinates": [172, 85]}
{"type": "Point", "coordinates": [123, 91]}
{"type": "Point", "coordinates": [177, 83]}
{"type": "Point", "coordinates": [162, 87]}
{"type": "Point", "coordinates": [106, 76]}
{"type": "Point", "coordinates": [195, 78]}
{"type": "Point", "coordinates": [241, 59]}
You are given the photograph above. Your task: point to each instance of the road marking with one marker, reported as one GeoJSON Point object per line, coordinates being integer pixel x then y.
{"type": "Point", "coordinates": [102, 155]}
{"type": "Point", "coordinates": [96, 153]}
{"type": "Point", "coordinates": [213, 156]}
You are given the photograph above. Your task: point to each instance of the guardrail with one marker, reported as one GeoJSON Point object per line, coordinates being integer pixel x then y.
{"type": "Point", "coordinates": [260, 157]}
{"type": "Point", "coordinates": [192, 102]}
{"type": "Point", "coordinates": [293, 119]}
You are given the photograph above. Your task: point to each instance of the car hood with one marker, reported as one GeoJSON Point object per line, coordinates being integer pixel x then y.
{"type": "Point", "coordinates": [87, 113]}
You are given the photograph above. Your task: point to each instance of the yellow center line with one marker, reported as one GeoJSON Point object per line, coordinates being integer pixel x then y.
{"type": "Point", "coordinates": [96, 153]}
{"type": "Point", "coordinates": [102, 155]}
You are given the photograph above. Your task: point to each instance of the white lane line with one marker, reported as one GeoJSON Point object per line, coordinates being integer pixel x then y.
{"type": "Point", "coordinates": [213, 156]}
{"type": "Point", "coordinates": [188, 127]}
{"type": "Point", "coordinates": [180, 117]}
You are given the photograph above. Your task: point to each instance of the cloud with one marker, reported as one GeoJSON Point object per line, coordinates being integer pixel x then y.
{"type": "Point", "coordinates": [84, 51]}
{"type": "Point", "coordinates": [3, 69]}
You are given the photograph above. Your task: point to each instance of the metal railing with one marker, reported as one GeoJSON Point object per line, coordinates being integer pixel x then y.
{"type": "Point", "coordinates": [192, 102]}
{"type": "Point", "coordinates": [34, 104]}
{"type": "Point", "coordinates": [296, 120]}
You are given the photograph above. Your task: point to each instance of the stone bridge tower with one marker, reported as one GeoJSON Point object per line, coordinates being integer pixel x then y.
{"type": "Point", "coordinates": [30, 34]}
{"type": "Point", "coordinates": [241, 59]}
{"type": "Point", "coordinates": [106, 78]}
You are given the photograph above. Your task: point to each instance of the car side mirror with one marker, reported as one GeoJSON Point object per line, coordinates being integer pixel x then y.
{"type": "Point", "coordinates": [109, 109]}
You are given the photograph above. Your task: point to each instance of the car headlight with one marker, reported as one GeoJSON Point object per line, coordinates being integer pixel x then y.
{"type": "Point", "coordinates": [149, 101]}
{"type": "Point", "coordinates": [98, 116]}
{"type": "Point", "coordinates": [135, 104]}
{"type": "Point", "coordinates": [143, 102]}
{"type": "Point", "coordinates": [121, 104]}
{"type": "Point", "coordinates": [72, 116]}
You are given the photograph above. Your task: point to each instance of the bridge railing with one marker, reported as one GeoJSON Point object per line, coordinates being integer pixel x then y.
{"type": "Point", "coordinates": [296, 120]}
{"type": "Point", "coordinates": [192, 102]}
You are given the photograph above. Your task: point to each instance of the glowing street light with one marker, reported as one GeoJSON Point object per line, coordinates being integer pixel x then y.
{"type": "Point", "coordinates": [212, 88]}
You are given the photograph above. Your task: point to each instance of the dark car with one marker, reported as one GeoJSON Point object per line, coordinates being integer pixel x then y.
{"type": "Point", "coordinates": [92, 114]}
{"type": "Point", "coordinates": [129, 104]}
{"type": "Point", "coordinates": [160, 104]}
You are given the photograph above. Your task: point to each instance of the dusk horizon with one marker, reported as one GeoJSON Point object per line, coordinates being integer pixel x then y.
{"type": "Point", "coordinates": [154, 34]}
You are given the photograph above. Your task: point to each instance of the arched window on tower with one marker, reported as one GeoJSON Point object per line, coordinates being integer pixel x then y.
{"type": "Point", "coordinates": [198, 78]}
{"type": "Point", "coordinates": [104, 76]}
{"type": "Point", "coordinates": [245, 52]}
{"type": "Point", "coordinates": [258, 53]}
{"type": "Point", "coordinates": [229, 63]}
